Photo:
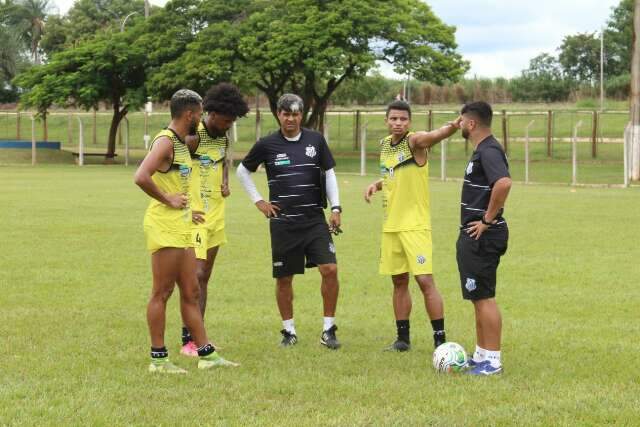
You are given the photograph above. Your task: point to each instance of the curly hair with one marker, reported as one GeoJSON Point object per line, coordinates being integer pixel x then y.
{"type": "Point", "coordinates": [226, 99]}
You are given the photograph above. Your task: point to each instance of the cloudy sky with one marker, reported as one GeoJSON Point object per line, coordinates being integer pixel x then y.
{"type": "Point", "coordinates": [499, 37]}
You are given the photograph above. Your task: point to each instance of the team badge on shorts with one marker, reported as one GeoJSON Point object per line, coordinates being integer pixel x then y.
{"type": "Point", "coordinates": [469, 168]}
{"type": "Point", "coordinates": [421, 259]}
{"type": "Point", "coordinates": [310, 151]}
{"type": "Point", "coordinates": [470, 285]}
{"type": "Point", "coordinates": [332, 248]}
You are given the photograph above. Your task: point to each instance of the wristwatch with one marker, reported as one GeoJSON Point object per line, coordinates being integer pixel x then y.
{"type": "Point", "coordinates": [336, 208]}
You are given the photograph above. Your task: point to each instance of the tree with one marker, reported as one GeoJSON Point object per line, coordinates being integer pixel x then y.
{"type": "Point", "coordinates": [580, 57]}
{"type": "Point", "coordinates": [28, 17]}
{"type": "Point", "coordinates": [85, 19]}
{"type": "Point", "coordinates": [109, 68]}
{"type": "Point", "coordinates": [312, 46]}
{"type": "Point", "coordinates": [618, 39]}
{"type": "Point", "coordinates": [543, 80]}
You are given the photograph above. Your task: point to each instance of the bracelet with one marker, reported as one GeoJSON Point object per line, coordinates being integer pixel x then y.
{"type": "Point", "coordinates": [336, 208]}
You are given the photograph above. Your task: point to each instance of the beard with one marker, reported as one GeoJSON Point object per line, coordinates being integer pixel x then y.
{"type": "Point", "coordinates": [465, 133]}
{"type": "Point", "coordinates": [193, 128]}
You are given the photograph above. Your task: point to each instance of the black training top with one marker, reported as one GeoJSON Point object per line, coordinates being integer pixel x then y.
{"type": "Point", "coordinates": [487, 165]}
{"type": "Point", "coordinates": [294, 173]}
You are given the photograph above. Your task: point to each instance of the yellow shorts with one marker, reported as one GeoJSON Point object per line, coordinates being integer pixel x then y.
{"type": "Point", "coordinates": [207, 238]}
{"type": "Point", "coordinates": [406, 251]}
{"type": "Point", "coordinates": [158, 239]}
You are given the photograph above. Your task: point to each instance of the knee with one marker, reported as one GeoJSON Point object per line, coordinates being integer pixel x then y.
{"type": "Point", "coordinates": [283, 284]}
{"type": "Point", "coordinates": [400, 282]}
{"type": "Point", "coordinates": [190, 295]}
{"type": "Point", "coordinates": [328, 270]}
{"type": "Point", "coordinates": [161, 295]}
{"type": "Point", "coordinates": [426, 283]}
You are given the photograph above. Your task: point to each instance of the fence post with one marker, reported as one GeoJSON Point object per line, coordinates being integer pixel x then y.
{"type": "Point", "coordinates": [126, 143]}
{"type": "Point", "coordinates": [80, 142]}
{"type": "Point", "coordinates": [627, 138]}
{"type": "Point", "coordinates": [33, 140]}
{"type": "Point", "coordinates": [505, 135]}
{"type": "Point", "coordinates": [258, 124]}
{"type": "Point", "coordinates": [325, 127]}
{"type": "Point", "coordinates": [69, 130]}
{"type": "Point", "coordinates": [95, 127]}
{"type": "Point", "coordinates": [443, 160]}
{"type": "Point", "coordinates": [18, 125]}
{"type": "Point", "coordinates": [526, 152]}
{"type": "Point", "coordinates": [594, 135]}
{"type": "Point", "coordinates": [430, 121]}
{"type": "Point", "coordinates": [356, 130]}
{"type": "Point", "coordinates": [549, 133]}
{"type": "Point", "coordinates": [363, 150]}
{"type": "Point", "coordinates": [574, 154]}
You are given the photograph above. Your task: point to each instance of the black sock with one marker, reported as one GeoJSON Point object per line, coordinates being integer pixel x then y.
{"type": "Point", "coordinates": [438, 325]}
{"type": "Point", "coordinates": [186, 335]}
{"type": "Point", "coordinates": [403, 330]}
{"type": "Point", "coordinates": [159, 353]}
{"type": "Point", "coordinates": [206, 350]}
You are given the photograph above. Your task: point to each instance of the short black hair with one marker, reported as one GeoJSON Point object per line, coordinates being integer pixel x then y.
{"type": "Point", "coordinates": [480, 110]}
{"type": "Point", "coordinates": [182, 100]}
{"type": "Point", "coordinates": [225, 99]}
{"type": "Point", "coordinates": [399, 105]}
{"type": "Point", "coordinates": [290, 102]}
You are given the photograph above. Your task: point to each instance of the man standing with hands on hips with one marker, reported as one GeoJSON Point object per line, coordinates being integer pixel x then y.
{"type": "Point", "coordinates": [483, 233]}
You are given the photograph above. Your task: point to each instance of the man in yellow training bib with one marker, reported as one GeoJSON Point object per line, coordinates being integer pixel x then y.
{"type": "Point", "coordinates": [165, 175]}
{"type": "Point", "coordinates": [223, 104]}
{"type": "Point", "coordinates": [406, 234]}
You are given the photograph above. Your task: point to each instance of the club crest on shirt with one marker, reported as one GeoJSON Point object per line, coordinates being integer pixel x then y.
{"type": "Point", "coordinates": [469, 168]}
{"type": "Point", "coordinates": [470, 285]}
{"type": "Point", "coordinates": [310, 151]}
{"type": "Point", "coordinates": [401, 157]}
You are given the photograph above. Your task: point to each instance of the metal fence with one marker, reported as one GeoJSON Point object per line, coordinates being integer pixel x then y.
{"type": "Point", "coordinates": [563, 146]}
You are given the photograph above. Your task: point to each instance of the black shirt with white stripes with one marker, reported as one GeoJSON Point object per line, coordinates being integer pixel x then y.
{"type": "Point", "coordinates": [488, 164]}
{"type": "Point", "coordinates": [294, 173]}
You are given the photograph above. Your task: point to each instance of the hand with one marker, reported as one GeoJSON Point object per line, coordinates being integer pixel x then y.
{"type": "Point", "coordinates": [225, 190]}
{"type": "Point", "coordinates": [370, 191]}
{"type": "Point", "coordinates": [178, 200]}
{"type": "Point", "coordinates": [476, 228]}
{"type": "Point", "coordinates": [334, 223]}
{"type": "Point", "coordinates": [456, 122]}
{"type": "Point", "coordinates": [197, 217]}
{"type": "Point", "coordinates": [268, 209]}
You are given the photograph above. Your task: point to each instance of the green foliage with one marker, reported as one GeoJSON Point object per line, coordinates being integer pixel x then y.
{"type": "Point", "coordinates": [580, 57]}
{"type": "Point", "coordinates": [542, 81]}
{"type": "Point", "coordinates": [618, 38]}
{"type": "Point", "coordinates": [619, 87]}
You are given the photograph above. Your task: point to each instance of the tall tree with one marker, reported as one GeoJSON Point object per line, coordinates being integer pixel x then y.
{"type": "Point", "coordinates": [109, 68]}
{"type": "Point", "coordinates": [618, 38]}
{"type": "Point", "coordinates": [29, 18]}
{"type": "Point", "coordinates": [312, 46]}
{"type": "Point", "coordinates": [542, 81]}
{"type": "Point", "coordinates": [580, 57]}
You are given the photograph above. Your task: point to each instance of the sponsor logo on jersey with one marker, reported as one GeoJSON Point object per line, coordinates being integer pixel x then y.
{"type": "Point", "coordinates": [282, 159]}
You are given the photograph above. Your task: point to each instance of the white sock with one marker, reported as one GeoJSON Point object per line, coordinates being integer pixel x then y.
{"type": "Point", "coordinates": [328, 323]}
{"type": "Point", "coordinates": [494, 358]}
{"type": "Point", "coordinates": [288, 326]}
{"type": "Point", "coordinates": [480, 355]}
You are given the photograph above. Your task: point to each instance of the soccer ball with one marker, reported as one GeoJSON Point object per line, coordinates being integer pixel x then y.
{"type": "Point", "coordinates": [449, 357]}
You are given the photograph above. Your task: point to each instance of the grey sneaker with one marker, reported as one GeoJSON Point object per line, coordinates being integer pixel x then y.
{"type": "Point", "coordinates": [288, 339]}
{"type": "Point", "coordinates": [399, 345]}
{"type": "Point", "coordinates": [328, 338]}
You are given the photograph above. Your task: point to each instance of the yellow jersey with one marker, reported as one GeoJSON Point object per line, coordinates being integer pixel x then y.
{"type": "Point", "coordinates": [405, 187]}
{"type": "Point", "coordinates": [208, 161]}
{"type": "Point", "coordinates": [176, 179]}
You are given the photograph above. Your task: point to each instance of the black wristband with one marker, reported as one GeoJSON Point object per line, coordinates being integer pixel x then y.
{"type": "Point", "coordinates": [336, 208]}
{"type": "Point", "coordinates": [485, 222]}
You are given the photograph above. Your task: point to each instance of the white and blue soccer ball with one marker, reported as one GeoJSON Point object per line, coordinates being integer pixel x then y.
{"type": "Point", "coordinates": [449, 357]}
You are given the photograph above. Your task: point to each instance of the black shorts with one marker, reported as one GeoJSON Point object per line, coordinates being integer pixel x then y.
{"type": "Point", "coordinates": [295, 246]}
{"type": "Point", "coordinates": [478, 262]}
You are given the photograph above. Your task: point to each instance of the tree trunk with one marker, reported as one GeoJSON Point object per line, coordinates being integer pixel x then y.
{"type": "Point", "coordinates": [118, 115]}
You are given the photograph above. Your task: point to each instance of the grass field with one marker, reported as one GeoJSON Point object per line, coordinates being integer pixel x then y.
{"type": "Point", "coordinates": [75, 279]}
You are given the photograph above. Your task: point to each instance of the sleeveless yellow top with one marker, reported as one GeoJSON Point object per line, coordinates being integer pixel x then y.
{"type": "Point", "coordinates": [208, 161]}
{"type": "Point", "coordinates": [176, 179]}
{"type": "Point", "coordinates": [405, 187]}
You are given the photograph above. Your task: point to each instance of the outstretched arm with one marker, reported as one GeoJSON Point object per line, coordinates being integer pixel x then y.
{"type": "Point", "coordinates": [423, 139]}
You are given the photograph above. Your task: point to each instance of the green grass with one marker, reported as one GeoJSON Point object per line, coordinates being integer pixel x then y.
{"type": "Point", "coordinates": [75, 280]}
